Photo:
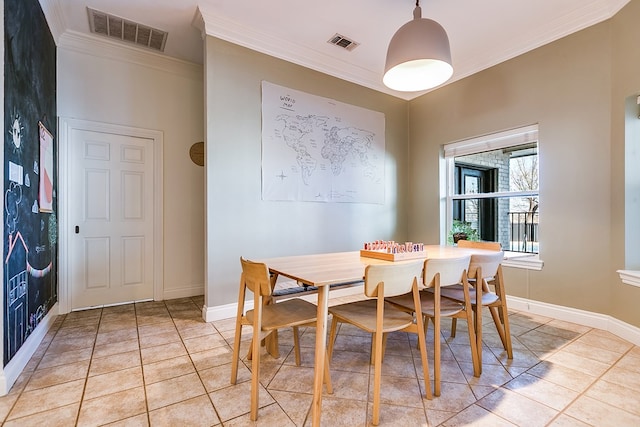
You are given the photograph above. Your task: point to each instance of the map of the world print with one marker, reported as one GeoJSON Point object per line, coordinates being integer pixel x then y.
{"type": "Point", "coordinates": [321, 150]}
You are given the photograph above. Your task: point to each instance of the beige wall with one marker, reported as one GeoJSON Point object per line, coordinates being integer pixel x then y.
{"type": "Point", "coordinates": [566, 87]}
{"type": "Point", "coordinates": [625, 83]}
{"type": "Point", "coordinates": [239, 222]}
{"type": "Point", "coordinates": [573, 88]}
{"type": "Point", "coordinates": [165, 95]}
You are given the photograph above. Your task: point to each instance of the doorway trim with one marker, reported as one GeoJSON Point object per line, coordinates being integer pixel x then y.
{"type": "Point", "coordinates": [65, 230]}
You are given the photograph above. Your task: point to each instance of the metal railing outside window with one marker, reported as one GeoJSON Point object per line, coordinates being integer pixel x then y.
{"type": "Point", "coordinates": [523, 228]}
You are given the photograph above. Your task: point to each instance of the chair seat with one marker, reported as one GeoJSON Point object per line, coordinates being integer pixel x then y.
{"type": "Point", "coordinates": [359, 314]}
{"type": "Point", "coordinates": [292, 312]}
{"type": "Point", "coordinates": [447, 307]}
{"type": "Point", "coordinates": [455, 292]}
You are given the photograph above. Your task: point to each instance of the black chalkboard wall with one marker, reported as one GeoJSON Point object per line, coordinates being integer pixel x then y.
{"type": "Point", "coordinates": [30, 183]}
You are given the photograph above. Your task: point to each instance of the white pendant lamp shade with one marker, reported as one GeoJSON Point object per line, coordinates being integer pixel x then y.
{"type": "Point", "coordinates": [419, 57]}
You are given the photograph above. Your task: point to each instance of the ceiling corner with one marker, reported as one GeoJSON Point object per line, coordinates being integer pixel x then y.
{"type": "Point", "coordinates": [55, 18]}
{"type": "Point", "coordinates": [198, 22]}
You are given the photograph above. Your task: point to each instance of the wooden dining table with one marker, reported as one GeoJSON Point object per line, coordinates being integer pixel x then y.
{"type": "Point", "coordinates": [324, 270]}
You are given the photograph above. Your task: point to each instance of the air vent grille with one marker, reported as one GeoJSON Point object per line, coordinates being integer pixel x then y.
{"type": "Point", "coordinates": [343, 42]}
{"type": "Point", "coordinates": [122, 29]}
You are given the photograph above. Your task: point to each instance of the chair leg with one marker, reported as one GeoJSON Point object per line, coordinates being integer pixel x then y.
{"type": "Point", "coordinates": [477, 324]}
{"type": "Point", "coordinates": [477, 370]}
{"type": "Point", "coordinates": [373, 347]}
{"type": "Point", "coordinates": [497, 320]}
{"type": "Point", "coordinates": [425, 324]}
{"type": "Point", "coordinates": [327, 376]}
{"type": "Point", "coordinates": [436, 355]}
{"type": "Point", "coordinates": [238, 334]}
{"type": "Point", "coordinates": [329, 355]}
{"type": "Point", "coordinates": [332, 337]}
{"type": "Point", "coordinates": [236, 352]}
{"type": "Point", "coordinates": [422, 344]}
{"type": "Point", "coordinates": [255, 372]}
{"type": "Point", "coordinates": [377, 378]}
{"type": "Point", "coordinates": [384, 345]}
{"type": "Point", "coordinates": [507, 330]}
{"type": "Point", "coordinates": [296, 345]}
{"type": "Point", "coordinates": [272, 344]}
{"type": "Point", "coordinates": [454, 322]}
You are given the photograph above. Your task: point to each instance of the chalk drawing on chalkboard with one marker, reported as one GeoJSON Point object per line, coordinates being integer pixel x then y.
{"type": "Point", "coordinates": [53, 229]}
{"type": "Point", "coordinates": [16, 132]}
{"type": "Point", "coordinates": [35, 208]}
{"type": "Point", "coordinates": [36, 168]}
{"type": "Point", "coordinates": [15, 173]}
{"type": "Point", "coordinates": [27, 180]}
{"type": "Point", "coordinates": [12, 200]}
{"type": "Point", "coordinates": [18, 270]}
{"type": "Point", "coordinates": [17, 290]}
{"type": "Point", "coordinates": [46, 169]}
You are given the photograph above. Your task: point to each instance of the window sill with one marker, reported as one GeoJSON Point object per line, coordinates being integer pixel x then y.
{"type": "Point", "coordinates": [630, 277]}
{"type": "Point", "coordinates": [524, 261]}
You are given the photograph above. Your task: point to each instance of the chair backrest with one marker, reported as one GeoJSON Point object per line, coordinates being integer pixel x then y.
{"type": "Point", "coordinates": [397, 278]}
{"type": "Point", "coordinates": [492, 246]}
{"type": "Point", "coordinates": [487, 263]}
{"type": "Point", "coordinates": [451, 270]}
{"type": "Point", "coordinates": [256, 277]}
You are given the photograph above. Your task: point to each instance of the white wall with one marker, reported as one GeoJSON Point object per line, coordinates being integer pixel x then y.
{"type": "Point", "coordinates": [105, 83]}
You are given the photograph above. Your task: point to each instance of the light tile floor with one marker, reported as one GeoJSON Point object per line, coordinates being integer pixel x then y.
{"type": "Point", "coordinates": [159, 363]}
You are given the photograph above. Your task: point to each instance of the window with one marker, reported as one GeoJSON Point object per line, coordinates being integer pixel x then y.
{"type": "Point", "coordinates": [631, 274]}
{"type": "Point", "coordinates": [492, 189]}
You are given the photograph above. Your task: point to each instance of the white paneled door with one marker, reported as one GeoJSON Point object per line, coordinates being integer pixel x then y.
{"type": "Point", "coordinates": [111, 190]}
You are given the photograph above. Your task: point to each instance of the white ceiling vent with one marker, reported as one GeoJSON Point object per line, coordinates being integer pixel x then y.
{"type": "Point", "coordinates": [125, 30]}
{"type": "Point", "coordinates": [343, 42]}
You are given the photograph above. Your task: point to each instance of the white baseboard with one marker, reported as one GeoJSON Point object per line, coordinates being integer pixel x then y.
{"type": "Point", "coordinates": [186, 292]}
{"type": "Point", "coordinates": [10, 373]}
{"type": "Point", "coordinates": [567, 314]}
{"type": "Point", "coordinates": [220, 312]}
{"type": "Point", "coordinates": [581, 317]}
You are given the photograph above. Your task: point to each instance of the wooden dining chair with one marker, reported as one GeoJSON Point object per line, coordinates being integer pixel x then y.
{"type": "Point", "coordinates": [266, 318]}
{"type": "Point", "coordinates": [379, 317]}
{"type": "Point", "coordinates": [486, 270]}
{"type": "Point", "coordinates": [475, 244]}
{"type": "Point", "coordinates": [438, 275]}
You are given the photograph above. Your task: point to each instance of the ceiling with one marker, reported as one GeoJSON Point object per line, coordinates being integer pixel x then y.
{"type": "Point", "coordinates": [481, 33]}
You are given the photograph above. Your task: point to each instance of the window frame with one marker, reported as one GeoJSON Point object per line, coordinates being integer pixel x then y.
{"type": "Point", "coordinates": [508, 138]}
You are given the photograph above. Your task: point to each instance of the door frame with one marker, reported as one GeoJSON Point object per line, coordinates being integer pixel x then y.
{"type": "Point", "coordinates": [66, 126]}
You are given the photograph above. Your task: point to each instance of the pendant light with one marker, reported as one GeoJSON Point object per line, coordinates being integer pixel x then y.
{"type": "Point", "coordinates": [419, 57]}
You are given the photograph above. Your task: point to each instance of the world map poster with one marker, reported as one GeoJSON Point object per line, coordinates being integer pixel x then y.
{"type": "Point", "coordinates": [316, 149]}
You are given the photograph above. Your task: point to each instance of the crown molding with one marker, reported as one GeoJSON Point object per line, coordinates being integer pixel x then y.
{"type": "Point", "coordinates": [105, 48]}
{"type": "Point", "coordinates": [216, 26]}
{"type": "Point", "coordinates": [616, 5]}
{"type": "Point", "coordinates": [198, 22]}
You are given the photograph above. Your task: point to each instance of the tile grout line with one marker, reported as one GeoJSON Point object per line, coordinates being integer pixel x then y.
{"type": "Point", "coordinates": [584, 392]}
{"type": "Point", "coordinates": [206, 392]}
{"type": "Point", "coordinates": [144, 381]}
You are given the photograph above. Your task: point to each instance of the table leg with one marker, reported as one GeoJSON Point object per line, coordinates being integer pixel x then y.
{"type": "Point", "coordinates": [321, 345]}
